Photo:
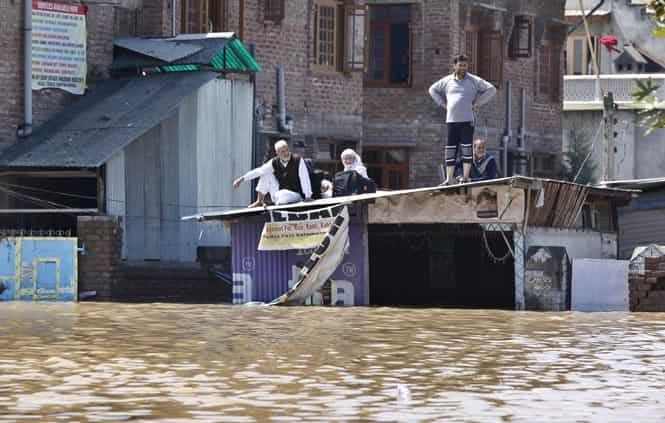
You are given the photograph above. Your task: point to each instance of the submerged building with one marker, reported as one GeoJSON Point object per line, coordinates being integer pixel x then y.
{"type": "Point", "coordinates": [506, 243]}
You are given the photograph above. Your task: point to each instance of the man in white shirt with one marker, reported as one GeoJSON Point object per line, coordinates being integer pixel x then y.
{"type": "Point", "coordinates": [460, 93]}
{"type": "Point", "coordinates": [285, 178]}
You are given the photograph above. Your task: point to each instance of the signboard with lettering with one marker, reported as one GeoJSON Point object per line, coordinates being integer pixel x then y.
{"type": "Point", "coordinates": [58, 46]}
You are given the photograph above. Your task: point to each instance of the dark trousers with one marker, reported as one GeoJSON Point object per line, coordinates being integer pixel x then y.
{"type": "Point", "coordinates": [460, 133]}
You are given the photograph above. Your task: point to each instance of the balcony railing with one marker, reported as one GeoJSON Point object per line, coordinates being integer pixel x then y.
{"type": "Point", "coordinates": [581, 92]}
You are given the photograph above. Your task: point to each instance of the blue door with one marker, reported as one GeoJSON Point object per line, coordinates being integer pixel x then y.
{"type": "Point", "coordinates": [38, 269]}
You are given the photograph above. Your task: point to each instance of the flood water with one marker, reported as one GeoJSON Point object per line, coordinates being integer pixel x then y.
{"type": "Point", "coordinates": [215, 363]}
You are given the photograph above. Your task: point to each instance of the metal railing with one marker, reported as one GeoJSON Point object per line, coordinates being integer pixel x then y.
{"type": "Point", "coordinates": [582, 88]}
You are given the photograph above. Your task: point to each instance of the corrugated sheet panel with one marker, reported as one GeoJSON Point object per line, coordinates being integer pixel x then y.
{"type": "Point", "coordinates": [640, 227]}
{"type": "Point", "coordinates": [270, 271]}
{"type": "Point", "coordinates": [185, 166]}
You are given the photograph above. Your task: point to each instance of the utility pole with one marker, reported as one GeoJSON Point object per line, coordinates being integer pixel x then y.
{"type": "Point", "coordinates": [609, 135]}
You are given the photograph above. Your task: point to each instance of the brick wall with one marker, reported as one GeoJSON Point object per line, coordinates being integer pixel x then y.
{"type": "Point", "coordinates": [101, 269]}
{"type": "Point", "coordinates": [397, 115]}
{"type": "Point", "coordinates": [322, 104]}
{"type": "Point", "coordinates": [102, 24]}
{"type": "Point", "coordinates": [647, 290]}
{"type": "Point", "coordinates": [102, 238]}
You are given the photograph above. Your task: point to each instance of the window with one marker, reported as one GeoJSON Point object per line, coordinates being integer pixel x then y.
{"type": "Point", "coordinates": [549, 80]}
{"type": "Point", "coordinates": [328, 155]}
{"type": "Point", "coordinates": [389, 46]}
{"type": "Point", "coordinates": [274, 10]}
{"type": "Point", "coordinates": [578, 55]}
{"type": "Point", "coordinates": [339, 36]}
{"type": "Point", "coordinates": [201, 16]}
{"type": "Point", "coordinates": [388, 167]}
{"type": "Point", "coordinates": [520, 38]}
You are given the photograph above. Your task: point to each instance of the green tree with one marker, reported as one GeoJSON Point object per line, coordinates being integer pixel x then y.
{"type": "Point", "coordinates": [578, 156]}
{"type": "Point", "coordinates": [644, 93]}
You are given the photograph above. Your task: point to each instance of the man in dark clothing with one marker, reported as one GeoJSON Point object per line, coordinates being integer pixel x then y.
{"type": "Point", "coordinates": [483, 166]}
{"type": "Point", "coordinates": [285, 178]}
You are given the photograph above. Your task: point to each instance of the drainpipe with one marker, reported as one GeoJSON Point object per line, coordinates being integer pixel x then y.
{"type": "Point", "coordinates": [505, 140]}
{"type": "Point", "coordinates": [173, 15]}
{"type": "Point", "coordinates": [596, 7]}
{"type": "Point", "coordinates": [284, 122]}
{"type": "Point", "coordinates": [25, 130]}
{"type": "Point", "coordinates": [520, 163]}
{"type": "Point", "coordinates": [256, 159]}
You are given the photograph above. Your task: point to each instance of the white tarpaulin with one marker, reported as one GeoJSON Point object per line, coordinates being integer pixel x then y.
{"type": "Point", "coordinates": [322, 263]}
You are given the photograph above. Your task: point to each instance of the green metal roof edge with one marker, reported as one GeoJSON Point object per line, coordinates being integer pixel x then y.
{"type": "Point", "coordinates": [237, 58]}
{"type": "Point", "coordinates": [179, 68]}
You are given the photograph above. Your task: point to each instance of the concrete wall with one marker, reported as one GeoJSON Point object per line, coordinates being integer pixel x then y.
{"type": "Point", "coordinates": [578, 243]}
{"type": "Point", "coordinates": [638, 155]}
{"type": "Point", "coordinates": [647, 290]}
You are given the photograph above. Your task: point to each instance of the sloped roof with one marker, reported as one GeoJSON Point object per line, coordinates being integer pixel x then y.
{"type": "Point", "coordinates": [221, 51]}
{"type": "Point", "coordinates": [104, 121]}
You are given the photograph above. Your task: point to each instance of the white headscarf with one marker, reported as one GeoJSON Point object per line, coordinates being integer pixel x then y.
{"type": "Point", "coordinates": [357, 164]}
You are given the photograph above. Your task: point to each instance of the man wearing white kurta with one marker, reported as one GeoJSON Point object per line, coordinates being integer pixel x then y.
{"type": "Point", "coordinates": [285, 178]}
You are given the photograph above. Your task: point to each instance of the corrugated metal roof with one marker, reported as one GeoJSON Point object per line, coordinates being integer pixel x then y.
{"type": "Point", "coordinates": [522, 181]}
{"type": "Point", "coordinates": [222, 51]}
{"type": "Point", "coordinates": [168, 52]}
{"type": "Point", "coordinates": [635, 183]}
{"type": "Point", "coordinates": [103, 121]}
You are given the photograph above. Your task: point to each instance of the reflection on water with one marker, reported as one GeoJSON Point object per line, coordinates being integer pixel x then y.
{"type": "Point", "coordinates": [213, 363]}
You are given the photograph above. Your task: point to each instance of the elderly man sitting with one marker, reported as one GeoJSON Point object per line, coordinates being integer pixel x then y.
{"type": "Point", "coordinates": [483, 166]}
{"type": "Point", "coordinates": [285, 178]}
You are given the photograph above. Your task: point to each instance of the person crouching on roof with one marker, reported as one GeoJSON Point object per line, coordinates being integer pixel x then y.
{"type": "Point", "coordinates": [483, 167]}
{"type": "Point", "coordinates": [282, 180]}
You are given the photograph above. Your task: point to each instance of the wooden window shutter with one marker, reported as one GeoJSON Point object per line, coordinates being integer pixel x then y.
{"type": "Point", "coordinates": [355, 38]}
{"type": "Point", "coordinates": [471, 48]}
{"type": "Point", "coordinates": [490, 63]}
{"type": "Point", "coordinates": [274, 10]}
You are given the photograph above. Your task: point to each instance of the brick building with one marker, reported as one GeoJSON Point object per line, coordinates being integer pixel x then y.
{"type": "Point", "coordinates": [330, 102]}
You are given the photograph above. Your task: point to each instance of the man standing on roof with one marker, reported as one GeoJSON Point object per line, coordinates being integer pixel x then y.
{"type": "Point", "coordinates": [282, 180]}
{"type": "Point", "coordinates": [460, 93]}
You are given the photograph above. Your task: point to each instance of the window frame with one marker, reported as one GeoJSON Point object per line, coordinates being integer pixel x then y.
{"type": "Point", "coordinates": [335, 32]}
{"type": "Point", "coordinates": [521, 23]}
{"type": "Point", "coordinates": [386, 168]}
{"type": "Point", "coordinates": [202, 9]}
{"type": "Point", "coordinates": [385, 82]}
{"type": "Point", "coordinates": [274, 10]}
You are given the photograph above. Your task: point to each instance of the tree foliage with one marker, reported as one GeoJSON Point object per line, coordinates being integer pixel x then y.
{"type": "Point", "coordinates": [578, 156]}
